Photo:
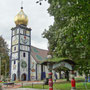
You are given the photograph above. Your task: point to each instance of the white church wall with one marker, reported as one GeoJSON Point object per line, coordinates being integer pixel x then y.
{"type": "Point", "coordinates": [15, 39]}
{"type": "Point", "coordinates": [22, 58]}
{"type": "Point", "coordinates": [14, 67]}
{"type": "Point", "coordinates": [38, 72]}
{"type": "Point", "coordinates": [14, 56]}
{"type": "Point", "coordinates": [25, 32]}
{"type": "Point", "coordinates": [23, 70]}
{"type": "Point", "coordinates": [15, 32]}
{"type": "Point", "coordinates": [46, 70]}
{"type": "Point", "coordinates": [33, 69]}
{"type": "Point", "coordinates": [24, 40]}
{"type": "Point", "coordinates": [26, 48]}
{"type": "Point", "coordinates": [21, 31]}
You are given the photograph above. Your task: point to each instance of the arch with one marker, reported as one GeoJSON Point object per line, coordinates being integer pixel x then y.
{"type": "Point", "coordinates": [23, 77]}
{"type": "Point", "coordinates": [14, 77]}
{"type": "Point", "coordinates": [69, 64]}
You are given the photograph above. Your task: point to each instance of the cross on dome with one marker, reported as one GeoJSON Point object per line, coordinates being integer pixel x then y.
{"type": "Point", "coordinates": [21, 18]}
{"type": "Point", "coordinates": [21, 4]}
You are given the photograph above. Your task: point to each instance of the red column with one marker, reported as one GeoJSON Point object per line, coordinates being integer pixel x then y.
{"type": "Point", "coordinates": [50, 81]}
{"type": "Point", "coordinates": [73, 83]}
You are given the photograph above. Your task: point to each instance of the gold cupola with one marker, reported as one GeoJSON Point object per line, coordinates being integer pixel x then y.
{"type": "Point", "coordinates": [21, 18]}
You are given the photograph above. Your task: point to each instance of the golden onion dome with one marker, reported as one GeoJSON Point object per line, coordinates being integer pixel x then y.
{"type": "Point", "coordinates": [21, 18]}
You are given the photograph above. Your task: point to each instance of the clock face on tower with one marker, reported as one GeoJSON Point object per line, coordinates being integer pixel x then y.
{"type": "Point", "coordinates": [24, 40]}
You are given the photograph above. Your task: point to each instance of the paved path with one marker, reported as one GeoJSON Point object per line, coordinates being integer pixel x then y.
{"type": "Point", "coordinates": [18, 85]}
{"type": "Point", "coordinates": [25, 89]}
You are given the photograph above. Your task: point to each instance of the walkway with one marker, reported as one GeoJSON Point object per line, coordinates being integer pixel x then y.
{"type": "Point", "coordinates": [24, 89]}
{"type": "Point", "coordinates": [18, 85]}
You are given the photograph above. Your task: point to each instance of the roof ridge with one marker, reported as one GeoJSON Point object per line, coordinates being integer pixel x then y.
{"type": "Point", "coordinates": [39, 48]}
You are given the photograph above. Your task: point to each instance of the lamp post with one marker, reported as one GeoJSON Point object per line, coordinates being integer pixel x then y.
{"type": "Point", "coordinates": [50, 73]}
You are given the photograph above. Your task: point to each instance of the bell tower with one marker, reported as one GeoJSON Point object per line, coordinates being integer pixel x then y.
{"type": "Point", "coordinates": [20, 48]}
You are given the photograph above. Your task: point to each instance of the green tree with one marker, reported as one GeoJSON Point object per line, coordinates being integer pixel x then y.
{"type": "Point", "coordinates": [4, 56]}
{"type": "Point", "coordinates": [69, 36]}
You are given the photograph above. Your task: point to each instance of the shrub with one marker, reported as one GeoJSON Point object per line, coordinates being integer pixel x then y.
{"type": "Point", "coordinates": [0, 87]}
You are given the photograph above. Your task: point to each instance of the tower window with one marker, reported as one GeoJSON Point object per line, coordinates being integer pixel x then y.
{"type": "Point", "coordinates": [14, 48]}
{"type": "Point", "coordinates": [24, 54]}
{"type": "Point", "coordinates": [14, 62]}
{"type": "Point", "coordinates": [24, 32]}
{"type": "Point", "coordinates": [15, 32]}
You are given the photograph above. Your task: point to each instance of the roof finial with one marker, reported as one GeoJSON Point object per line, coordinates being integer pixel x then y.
{"type": "Point", "coordinates": [22, 4]}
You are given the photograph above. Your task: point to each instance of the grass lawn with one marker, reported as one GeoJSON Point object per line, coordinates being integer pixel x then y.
{"type": "Point", "coordinates": [80, 79]}
{"type": "Point", "coordinates": [63, 86]}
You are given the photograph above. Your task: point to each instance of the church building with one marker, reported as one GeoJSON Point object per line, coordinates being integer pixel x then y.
{"type": "Point", "coordinates": [24, 58]}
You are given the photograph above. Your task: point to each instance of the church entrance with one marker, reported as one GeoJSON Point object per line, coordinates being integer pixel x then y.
{"type": "Point", "coordinates": [23, 77]}
{"type": "Point", "coordinates": [14, 77]}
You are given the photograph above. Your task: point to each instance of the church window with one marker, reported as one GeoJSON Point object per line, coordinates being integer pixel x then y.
{"type": "Point", "coordinates": [14, 62]}
{"type": "Point", "coordinates": [27, 32]}
{"type": "Point", "coordinates": [14, 48]}
{"type": "Point", "coordinates": [24, 32]}
{"type": "Point", "coordinates": [24, 55]}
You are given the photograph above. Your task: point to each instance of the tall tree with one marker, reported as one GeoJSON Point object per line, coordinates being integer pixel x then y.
{"type": "Point", "coordinates": [4, 51]}
{"type": "Point", "coordinates": [69, 36]}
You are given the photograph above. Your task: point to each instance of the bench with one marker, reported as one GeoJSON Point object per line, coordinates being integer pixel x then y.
{"type": "Point", "coordinates": [8, 84]}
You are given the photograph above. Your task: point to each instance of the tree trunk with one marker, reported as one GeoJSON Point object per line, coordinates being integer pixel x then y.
{"type": "Point", "coordinates": [67, 75]}
{"type": "Point", "coordinates": [60, 77]}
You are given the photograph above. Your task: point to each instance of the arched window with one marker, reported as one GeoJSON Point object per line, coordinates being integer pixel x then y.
{"type": "Point", "coordinates": [24, 54]}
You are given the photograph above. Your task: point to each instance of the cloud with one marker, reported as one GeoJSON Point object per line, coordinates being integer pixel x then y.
{"type": "Point", "coordinates": [39, 19]}
{"type": "Point", "coordinates": [41, 45]}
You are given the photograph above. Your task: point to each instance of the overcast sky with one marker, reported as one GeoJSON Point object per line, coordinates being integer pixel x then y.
{"type": "Point", "coordinates": [38, 16]}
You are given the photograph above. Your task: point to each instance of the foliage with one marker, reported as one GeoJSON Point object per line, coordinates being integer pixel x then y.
{"type": "Point", "coordinates": [4, 56]}
{"type": "Point", "coordinates": [40, 1]}
{"type": "Point", "coordinates": [69, 36]}
{"type": "Point", "coordinates": [55, 60]}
